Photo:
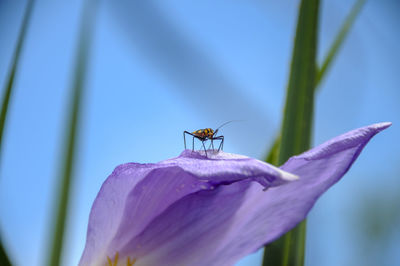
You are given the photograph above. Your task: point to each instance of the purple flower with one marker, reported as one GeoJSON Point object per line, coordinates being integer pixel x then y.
{"type": "Point", "coordinates": [193, 210]}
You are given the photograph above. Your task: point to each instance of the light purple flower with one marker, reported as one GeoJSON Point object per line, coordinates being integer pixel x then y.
{"type": "Point", "coordinates": [193, 210]}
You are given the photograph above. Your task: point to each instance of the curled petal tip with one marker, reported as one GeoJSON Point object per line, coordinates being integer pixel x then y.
{"type": "Point", "coordinates": [382, 125]}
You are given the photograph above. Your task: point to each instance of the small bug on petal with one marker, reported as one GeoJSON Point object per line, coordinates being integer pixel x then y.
{"type": "Point", "coordinates": [206, 134]}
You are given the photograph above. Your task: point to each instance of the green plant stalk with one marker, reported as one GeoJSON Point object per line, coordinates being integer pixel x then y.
{"type": "Point", "coordinates": [4, 260]}
{"type": "Point", "coordinates": [297, 123]}
{"type": "Point", "coordinates": [8, 91]}
{"type": "Point", "coordinates": [272, 156]}
{"type": "Point", "coordinates": [72, 135]}
{"type": "Point", "coordinates": [14, 67]}
{"type": "Point", "coordinates": [339, 39]}
{"type": "Point", "coordinates": [298, 113]}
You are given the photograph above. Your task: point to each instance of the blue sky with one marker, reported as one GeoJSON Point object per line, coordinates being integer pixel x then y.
{"type": "Point", "coordinates": [156, 70]}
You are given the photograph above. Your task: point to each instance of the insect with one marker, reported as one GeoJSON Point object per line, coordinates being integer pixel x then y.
{"type": "Point", "coordinates": [206, 134]}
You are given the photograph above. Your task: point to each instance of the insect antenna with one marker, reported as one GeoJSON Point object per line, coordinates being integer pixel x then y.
{"type": "Point", "coordinates": [216, 130]}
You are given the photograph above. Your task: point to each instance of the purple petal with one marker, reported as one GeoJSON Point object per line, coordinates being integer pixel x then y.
{"type": "Point", "coordinates": [135, 194]}
{"type": "Point", "coordinates": [220, 214]}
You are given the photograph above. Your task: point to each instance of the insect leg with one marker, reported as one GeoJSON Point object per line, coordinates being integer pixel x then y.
{"type": "Point", "coordinates": [204, 147]}
{"type": "Point", "coordinates": [209, 146]}
{"type": "Point", "coordinates": [184, 139]}
{"type": "Point", "coordinates": [221, 144]}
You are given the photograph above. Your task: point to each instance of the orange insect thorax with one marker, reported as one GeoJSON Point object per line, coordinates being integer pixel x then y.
{"type": "Point", "coordinates": [204, 133]}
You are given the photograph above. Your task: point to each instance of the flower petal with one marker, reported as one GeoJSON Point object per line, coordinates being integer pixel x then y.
{"type": "Point", "coordinates": [135, 194]}
{"type": "Point", "coordinates": [193, 210]}
{"type": "Point", "coordinates": [220, 226]}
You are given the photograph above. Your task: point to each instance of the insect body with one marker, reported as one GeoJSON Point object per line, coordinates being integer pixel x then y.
{"type": "Point", "coordinates": [206, 134]}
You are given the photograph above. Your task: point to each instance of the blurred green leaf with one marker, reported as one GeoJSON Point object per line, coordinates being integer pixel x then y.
{"type": "Point", "coordinates": [348, 23]}
{"type": "Point", "coordinates": [297, 123]}
{"type": "Point", "coordinates": [272, 156]}
{"type": "Point", "coordinates": [339, 39]}
{"type": "Point", "coordinates": [298, 113]}
{"type": "Point", "coordinates": [4, 260]}
{"type": "Point", "coordinates": [8, 90]}
{"type": "Point", "coordinates": [14, 67]}
{"type": "Point", "coordinates": [277, 253]}
{"type": "Point", "coordinates": [80, 71]}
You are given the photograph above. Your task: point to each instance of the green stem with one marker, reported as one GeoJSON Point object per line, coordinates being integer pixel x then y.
{"type": "Point", "coordinates": [72, 136]}
{"type": "Point", "coordinates": [297, 123]}
{"type": "Point", "coordinates": [340, 37]}
{"type": "Point", "coordinates": [4, 260]}
{"type": "Point", "coordinates": [321, 73]}
{"type": "Point", "coordinates": [8, 91]}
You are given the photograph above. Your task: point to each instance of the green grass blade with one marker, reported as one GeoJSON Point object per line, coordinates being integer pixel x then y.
{"type": "Point", "coordinates": [4, 260]}
{"type": "Point", "coordinates": [8, 90]}
{"type": "Point", "coordinates": [14, 67]}
{"type": "Point", "coordinates": [340, 37]}
{"type": "Point", "coordinates": [272, 255]}
{"type": "Point", "coordinates": [297, 120]}
{"type": "Point", "coordinates": [272, 156]}
{"type": "Point", "coordinates": [297, 123]}
{"type": "Point", "coordinates": [71, 137]}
